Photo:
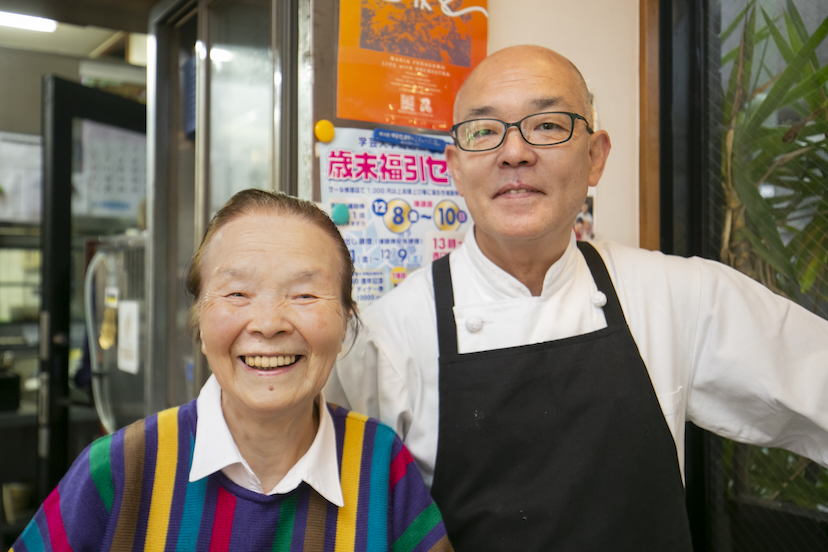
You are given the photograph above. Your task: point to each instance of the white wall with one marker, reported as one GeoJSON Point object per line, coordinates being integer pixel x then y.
{"type": "Point", "coordinates": [21, 79]}
{"type": "Point", "coordinates": [601, 38]}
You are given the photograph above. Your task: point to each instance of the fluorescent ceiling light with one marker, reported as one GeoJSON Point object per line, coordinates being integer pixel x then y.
{"type": "Point", "coordinates": [27, 22]}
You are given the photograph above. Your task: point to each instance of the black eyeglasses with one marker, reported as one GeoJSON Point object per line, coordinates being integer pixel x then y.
{"type": "Point", "coordinates": [540, 129]}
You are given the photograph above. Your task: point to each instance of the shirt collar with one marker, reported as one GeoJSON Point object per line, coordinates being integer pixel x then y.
{"type": "Point", "coordinates": [215, 450]}
{"type": "Point", "coordinates": [504, 285]}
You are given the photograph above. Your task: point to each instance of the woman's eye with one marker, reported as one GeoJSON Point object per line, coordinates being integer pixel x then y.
{"type": "Point", "coordinates": [306, 296]}
{"type": "Point", "coordinates": [236, 294]}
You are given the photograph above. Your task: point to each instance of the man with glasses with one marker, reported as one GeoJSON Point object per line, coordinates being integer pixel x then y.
{"type": "Point", "coordinates": [543, 385]}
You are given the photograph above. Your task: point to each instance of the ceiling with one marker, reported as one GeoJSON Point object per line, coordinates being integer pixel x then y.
{"type": "Point", "coordinates": [121, 15]}
{"type": "Point", "coordinates": [86, 28]}
{"type": "Point", "coordinates": [67, 40]}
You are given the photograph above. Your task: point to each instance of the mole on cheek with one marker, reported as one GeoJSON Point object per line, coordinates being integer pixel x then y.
{"type": "Point", "coordinates": [271, 388]}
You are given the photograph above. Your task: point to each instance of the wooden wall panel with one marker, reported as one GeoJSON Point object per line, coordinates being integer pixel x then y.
{"type": "Point", "coordinates": [649, 137]}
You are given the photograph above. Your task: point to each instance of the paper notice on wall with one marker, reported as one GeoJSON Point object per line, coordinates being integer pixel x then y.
{"type": "Point", "coordinates": [20, 177]}
{"type": "Point", "coordinates": [404, 210]}
{"type": "Point", "coordinates": [111, 178]}
{"type": "Point", "coordinates": [402, 62]}
{"type": "Point", "coordinates": [585, 220]}
{"type": "Point", "coordinates": [128, 336]}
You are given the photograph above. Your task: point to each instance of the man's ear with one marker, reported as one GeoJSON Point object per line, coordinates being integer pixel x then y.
{"type": "Point", "coordinates": [599, 148]}
{"type": "Point", "coordinates": [452, 158]}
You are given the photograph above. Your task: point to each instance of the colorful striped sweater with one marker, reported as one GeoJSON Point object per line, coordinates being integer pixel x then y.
{"type": "Point", "coordinates": [130, 491]}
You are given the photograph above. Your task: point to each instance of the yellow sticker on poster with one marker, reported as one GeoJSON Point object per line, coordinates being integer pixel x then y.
{"type": "Point", "coordinates": [401, 62]}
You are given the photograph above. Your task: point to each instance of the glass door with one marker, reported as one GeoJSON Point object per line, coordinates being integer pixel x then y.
{"type": "Point", "coordinates": [223, 108]}
{"type": "Point", "coordinates": [94, 196]}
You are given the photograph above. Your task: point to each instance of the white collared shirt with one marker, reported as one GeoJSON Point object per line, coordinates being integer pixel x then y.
{"type": "Point", "coordinates": [215, 450]}
{"type": "Point", "coordinates": [721, 350]}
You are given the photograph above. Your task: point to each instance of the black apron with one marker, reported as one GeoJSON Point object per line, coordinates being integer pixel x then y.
{"type": "Point", "coordinates": [556, 446]}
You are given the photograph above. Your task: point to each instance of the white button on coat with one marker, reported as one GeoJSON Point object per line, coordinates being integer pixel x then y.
{"type": "Point", "coordinates": [474, 323]}
{"type": "Point", "coordinates": [599, 299]}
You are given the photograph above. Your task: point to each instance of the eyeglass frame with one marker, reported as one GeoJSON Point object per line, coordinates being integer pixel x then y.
{"type": "Point", "coordinates": [573, 116]}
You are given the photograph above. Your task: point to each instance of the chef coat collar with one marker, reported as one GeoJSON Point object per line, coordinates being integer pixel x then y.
{"type": "Point", "coordinates": [501, 284]}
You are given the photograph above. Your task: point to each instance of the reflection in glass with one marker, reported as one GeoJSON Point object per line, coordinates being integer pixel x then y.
{"type": "Point", "coordinates": [109, 182]}
{"type": "Point", "coordinates": [241, 98]}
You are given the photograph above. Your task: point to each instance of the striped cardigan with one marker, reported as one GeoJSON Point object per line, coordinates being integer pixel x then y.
{"type": "Point", "coordinates": [130, 491]}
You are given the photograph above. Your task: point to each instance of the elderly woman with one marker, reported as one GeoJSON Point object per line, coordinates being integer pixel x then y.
{"type": "Point", "coordinates": [259, 461]}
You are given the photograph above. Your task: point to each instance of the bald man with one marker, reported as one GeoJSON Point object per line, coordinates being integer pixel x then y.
{"type": "Point", "coordinates": [542, 385]}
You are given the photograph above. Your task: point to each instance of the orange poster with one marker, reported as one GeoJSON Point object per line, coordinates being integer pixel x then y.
{"type": "Point", "coordinates": [401, 62]}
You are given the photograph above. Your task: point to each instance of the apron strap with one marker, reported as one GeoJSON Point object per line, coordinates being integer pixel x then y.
{"type": "Point", "coordinates": [612, 310]}
{"type": "Point", "coordinates": [444, 302]}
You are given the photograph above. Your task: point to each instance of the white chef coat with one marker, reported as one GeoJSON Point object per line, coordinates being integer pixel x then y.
{"type": "Point", "coordinates": [721, 350]}
{"type": "Point", "coordinates": [216, 450]}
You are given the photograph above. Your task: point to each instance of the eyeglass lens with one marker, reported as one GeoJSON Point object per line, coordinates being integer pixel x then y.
{"type": "Point", "coordinates": [542, 129]}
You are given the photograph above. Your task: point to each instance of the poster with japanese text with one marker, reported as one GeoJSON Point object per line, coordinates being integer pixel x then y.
{"type": "Point", "coordinates": [401, 62]}
{"type": "Point", "coordinates": [403, 208]}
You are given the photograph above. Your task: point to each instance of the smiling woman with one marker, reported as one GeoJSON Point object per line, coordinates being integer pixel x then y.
{"type": "Point", "coordinates": [272, 288]}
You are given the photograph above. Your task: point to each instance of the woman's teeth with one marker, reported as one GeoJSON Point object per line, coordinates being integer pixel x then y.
{"type": "Point", "coordinates": [269, 362]}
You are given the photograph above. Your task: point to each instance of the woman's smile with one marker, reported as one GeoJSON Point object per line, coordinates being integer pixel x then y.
{"type": "Point", "coordinates": [269, 362]}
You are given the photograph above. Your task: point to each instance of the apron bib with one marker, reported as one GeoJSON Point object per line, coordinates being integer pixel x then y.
{"type": "Point", "coordinates": [555, 446]}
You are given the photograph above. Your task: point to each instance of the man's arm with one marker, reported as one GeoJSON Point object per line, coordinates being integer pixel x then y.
{"type": "Point", "coordinates": [760, 367]}
{"type": "Point", "coordinates": [724, 351]}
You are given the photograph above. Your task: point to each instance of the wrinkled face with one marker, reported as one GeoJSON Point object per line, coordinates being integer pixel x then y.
{"type": "Point", "coordinates": [271, 318]}
{"type": "Point", "coordinates": [519, 192]}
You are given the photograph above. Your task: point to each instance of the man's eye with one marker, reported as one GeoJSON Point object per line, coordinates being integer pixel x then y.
{"type": "Point", "coordinates": [548, 126]}
{"type": "Point", "coordinates": [236, 294]}
{"type": "Point", "coordinates": [306, 296]}
{"type": "Point", "coordinates": [480, 133]}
